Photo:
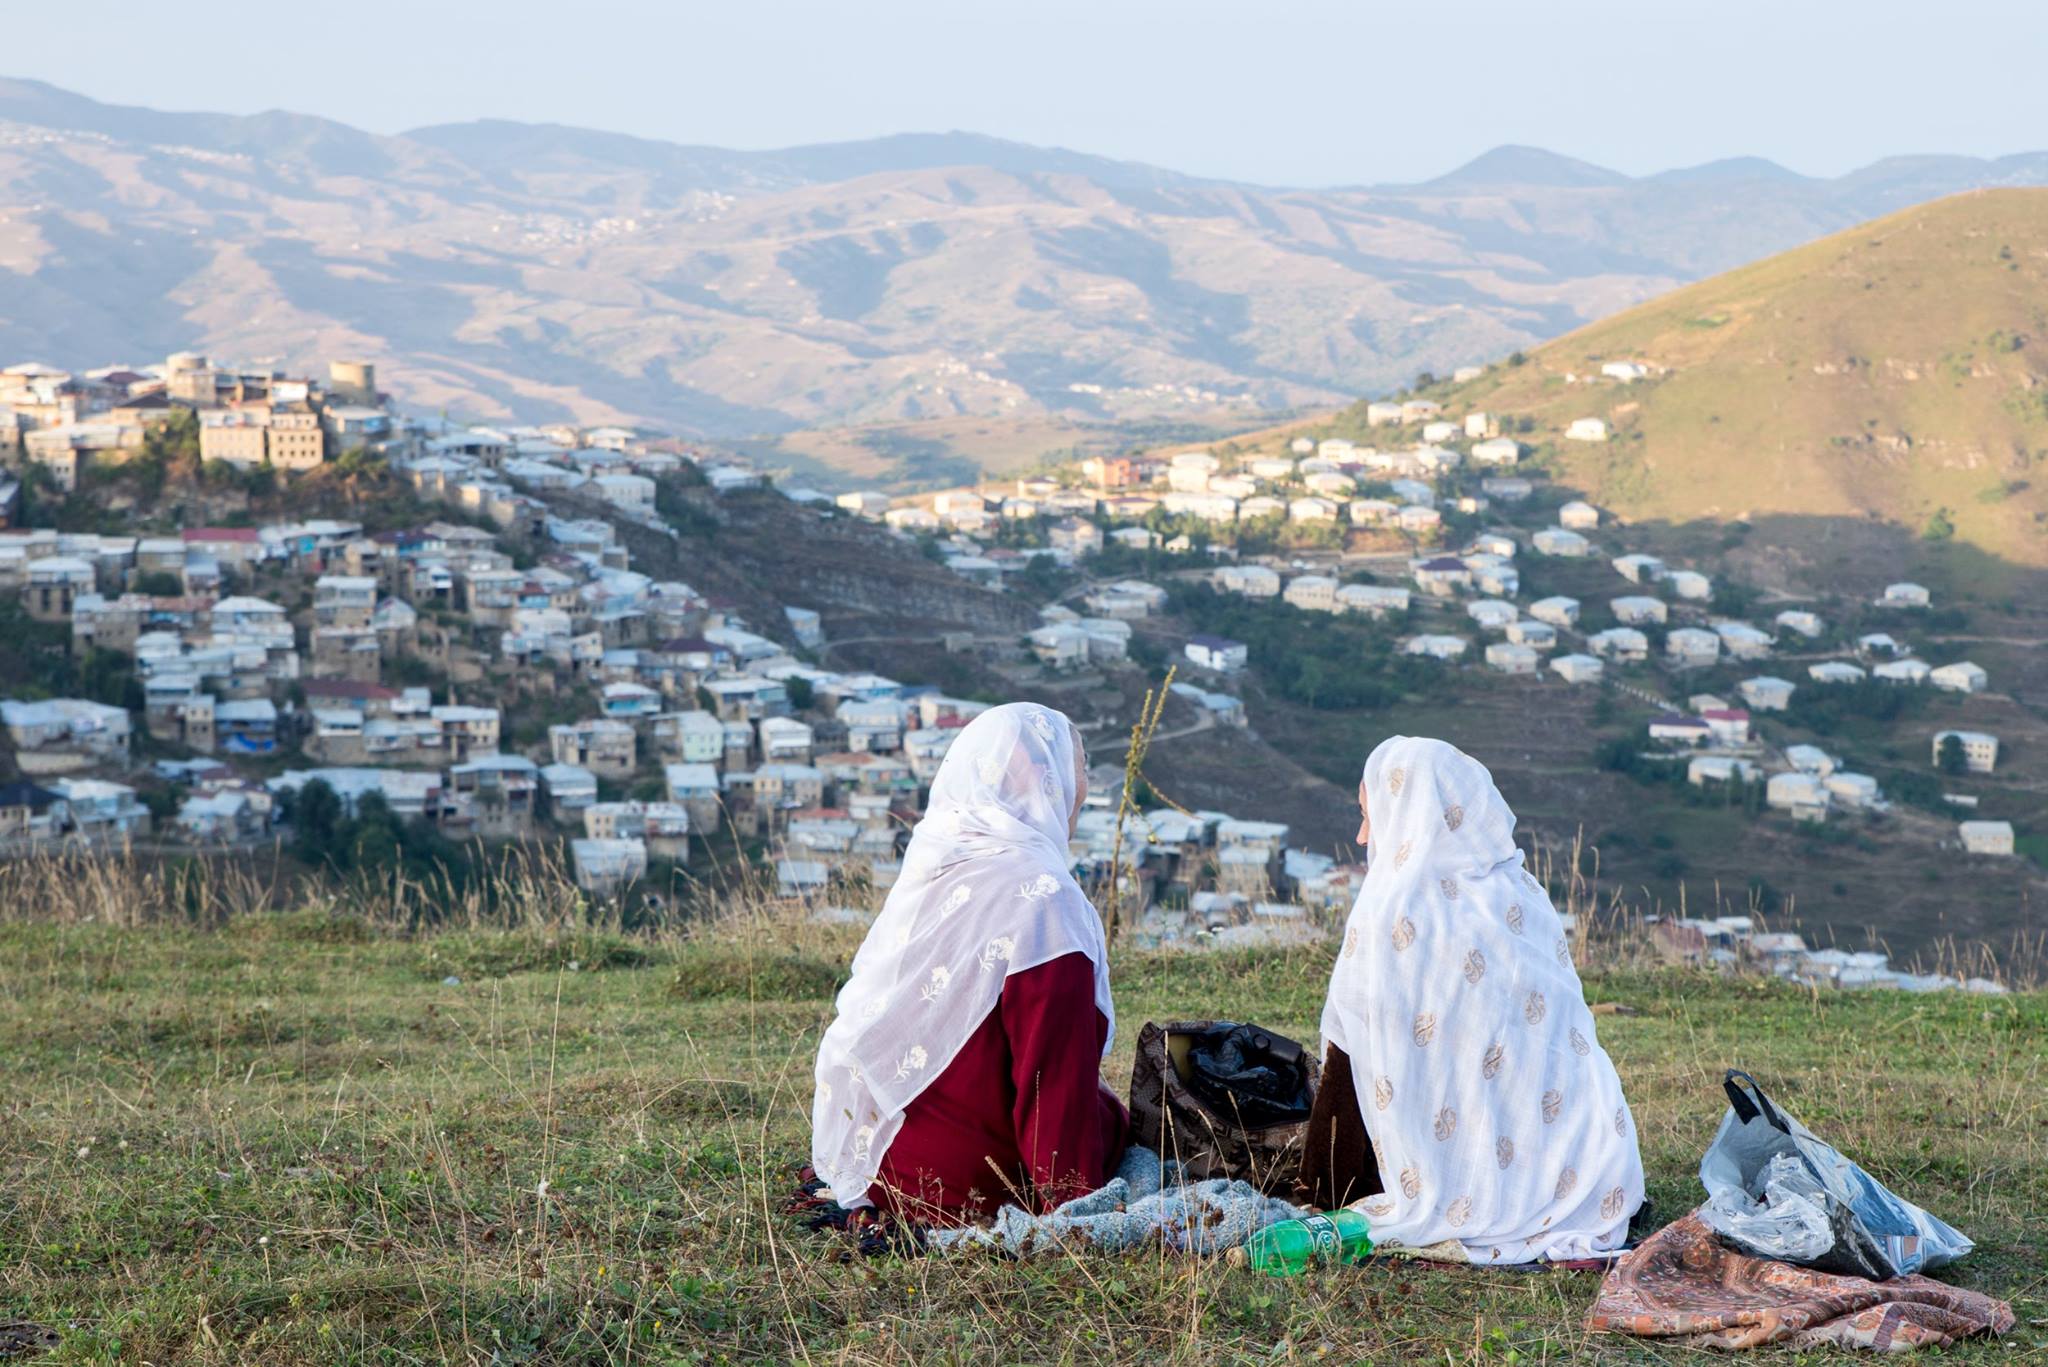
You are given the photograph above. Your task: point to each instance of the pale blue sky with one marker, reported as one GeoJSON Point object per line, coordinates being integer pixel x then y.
{"type": "Point", "coordinates": [1308, 92]}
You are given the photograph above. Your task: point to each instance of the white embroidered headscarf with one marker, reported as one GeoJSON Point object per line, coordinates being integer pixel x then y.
{"type": "Point", "coordinates": [986, 890]}
{"type": "Point", "coordinates": [1496, 1118]}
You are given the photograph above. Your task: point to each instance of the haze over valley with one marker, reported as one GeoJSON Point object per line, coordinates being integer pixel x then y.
{"type": "Point", "coordinates": [890, 310]}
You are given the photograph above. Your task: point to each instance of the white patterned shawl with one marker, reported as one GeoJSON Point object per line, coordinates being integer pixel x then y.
{"type": "Point", "coordinates": [1496, 1118]}
{"type": "Point", "coordinates": [986, 890]}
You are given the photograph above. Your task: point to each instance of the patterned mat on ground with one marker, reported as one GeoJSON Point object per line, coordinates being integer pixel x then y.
{"type": "Point", "coordinates": [1146, 1204]}
{"type": "Point", "coordinates": [1685, 1284]}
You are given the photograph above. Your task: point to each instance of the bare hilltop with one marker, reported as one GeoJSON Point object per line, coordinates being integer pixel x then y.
{"type": "Point", "coordinates": [1895, 373]}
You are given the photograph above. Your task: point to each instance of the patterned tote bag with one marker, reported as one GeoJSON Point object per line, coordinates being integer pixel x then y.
{"type": "Point", "coordinates": [1223, 1100]}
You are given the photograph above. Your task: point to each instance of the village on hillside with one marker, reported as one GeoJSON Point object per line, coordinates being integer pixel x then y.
{"type": "Point", "coordinates": [500, 671]}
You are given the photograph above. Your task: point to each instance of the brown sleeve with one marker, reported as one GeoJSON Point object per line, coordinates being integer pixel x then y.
{"type": "Point", "coordinates": [1337, 1165]}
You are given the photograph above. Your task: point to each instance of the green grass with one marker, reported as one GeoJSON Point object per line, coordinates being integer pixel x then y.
{"type": "Point", "coordinates": [296, 1146]}
{"type": "Point", "coordinates": [2034, 847]}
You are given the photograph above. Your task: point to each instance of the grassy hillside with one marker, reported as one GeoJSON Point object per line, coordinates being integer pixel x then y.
{"type": "Point", "coordinates": [299, 1143]}
{"type": "Point", "coordinates": [1897, 371]}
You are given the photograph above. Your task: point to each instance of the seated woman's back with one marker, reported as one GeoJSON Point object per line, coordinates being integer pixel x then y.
{"type": "Point", "coordinates": [1495, 1117]}
{"type": "Point", "coordinates": [963, 1067]}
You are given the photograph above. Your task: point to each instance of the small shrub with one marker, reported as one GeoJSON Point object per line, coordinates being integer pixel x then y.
{"type": "Point", "coordinates": [312, 925]}
{"type": "Point", "coordinates": [709, 972]}
{"type": "Point", "coordinates": [499, 954]}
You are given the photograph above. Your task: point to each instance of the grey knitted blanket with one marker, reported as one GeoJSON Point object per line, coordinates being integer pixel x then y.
{"type": "Point", "coordinates": [1146, 1204]}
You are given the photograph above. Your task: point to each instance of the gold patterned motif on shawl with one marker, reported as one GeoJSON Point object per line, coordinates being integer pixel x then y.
{"type": "Point", "coordinates": [1459, 1213]}
{"type": "Point", "coordinates": [1566, 1180]}
{"type": "Point", "coordinates": [1446, 1125]}
{"type": "Point", "coordinates": [1404, 933]}
{"type": "Point", "coordinates": [1496, 1058]}
{"type": "Point", "coordinates": [1425, 1028]}
{"type": "Point", "coordinates": [1515, 918]}
{"type": "Point", "coordinates": [1579, 1044]}
{"type": "Point", "coordinates": [1411, 1182]}
{"type": "Point", "coordinates": [1611, 1204]}
{"type": "Point", "coordinates": [1383, 1091]}
{"type": "Point", "coordinates": [1503, 1151]}
{"type": "Point", "coordinates": [1397, 778]}
{"type": "Point", "coordinates": [1553, 1102]}
{"type": "Point", "coordinates": [1475, 967]}
{"type": "Point", "coordinates": [1534, 1008]}
{"type": "Point", "coordinates": [1454, 816]}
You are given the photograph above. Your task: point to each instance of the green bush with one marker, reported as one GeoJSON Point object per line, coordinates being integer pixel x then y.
{"type": "Point", "coordinates": [495, 954]}
{"type": "Point", "coordinates": [714, 972]}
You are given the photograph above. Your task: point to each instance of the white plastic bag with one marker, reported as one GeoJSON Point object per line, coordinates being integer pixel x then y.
{"type": "Point", "coordinates": [1776, 1190]}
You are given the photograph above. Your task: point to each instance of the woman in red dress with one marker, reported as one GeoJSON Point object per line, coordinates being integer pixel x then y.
{"type": "Point", "coordinates": [963, 1069]}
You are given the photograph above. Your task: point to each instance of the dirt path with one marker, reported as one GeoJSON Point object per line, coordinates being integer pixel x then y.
{"type": "Point", "coordinates": [1205, 722]}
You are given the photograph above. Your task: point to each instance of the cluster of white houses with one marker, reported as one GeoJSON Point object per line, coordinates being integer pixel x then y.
{"type": "Point", "coordinates": [280, 640]}
{"type": "Point", "coordinates": [687, 698]}
{"type": "Point", "coordinates": [288, 642]}
{"type": "Point", "coordinates": [1738, 942]}
{"type": "Point", "coordinates": [1340, 481]}
{"type": "Point", "coordinates": [283, 642]}
{"type": "Point", "coordinates": [1205, 877]}
{"type": "Point", "coordinates": [59, 423]}
{"type": "Point", "coordinates": [1335, 481]}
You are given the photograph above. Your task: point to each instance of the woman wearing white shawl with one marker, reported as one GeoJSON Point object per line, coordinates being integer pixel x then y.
{"type": "Point", "coordinates": [1496, 1121]}
{"type": "Point", "coordinates": [970, 1035]}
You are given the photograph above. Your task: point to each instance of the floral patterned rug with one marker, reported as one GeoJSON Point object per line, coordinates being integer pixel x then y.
{"type": "Point", "coordinates": [1685, 1284]}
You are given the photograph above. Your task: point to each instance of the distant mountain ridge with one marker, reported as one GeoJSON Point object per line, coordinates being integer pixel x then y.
{"type": "Point", "coordinates": [528, 272]}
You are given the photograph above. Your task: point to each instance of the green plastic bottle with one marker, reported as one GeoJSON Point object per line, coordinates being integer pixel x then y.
{"type": "Point", "coordinates": [1293, 1246]}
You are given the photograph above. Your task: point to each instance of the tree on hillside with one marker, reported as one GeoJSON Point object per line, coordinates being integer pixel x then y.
{"type": "Point", "coordinates": [316, 817]}
{"type": "Point", "coordinates": [1044, 578]}
{"type": "Point", "coordinates": [159, 584]}
{"type": "Point", "coordinates": [1953, 760]}
{"type": "Point", "coordinates": [108, 676]}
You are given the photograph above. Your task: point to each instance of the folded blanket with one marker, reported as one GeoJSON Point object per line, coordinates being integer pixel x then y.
{"type": "Point", "coordinates": [1147, 1203]}
{"type": "Point", "coordinates": [1685, 1284]}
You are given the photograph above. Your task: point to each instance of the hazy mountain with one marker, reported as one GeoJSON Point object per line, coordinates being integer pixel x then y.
{"type": "Point", "coordinates": [511, 152]}
{"type": "Point", "coordinates": [510, 270]}
{"type": "Point", "coordinates": [1525, 166]}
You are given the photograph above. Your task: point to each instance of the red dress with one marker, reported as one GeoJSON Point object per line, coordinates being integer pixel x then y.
{"type": "Point", "coordinates": [1020, 1115]}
